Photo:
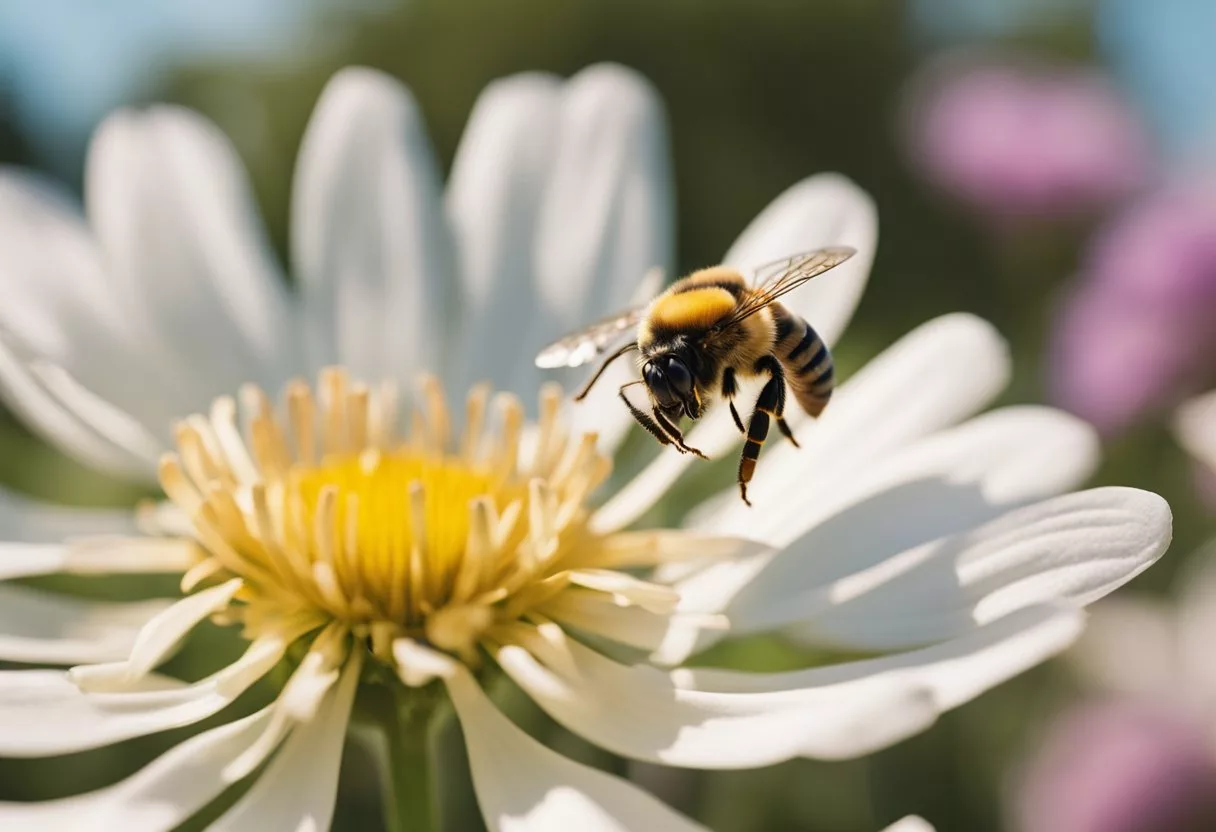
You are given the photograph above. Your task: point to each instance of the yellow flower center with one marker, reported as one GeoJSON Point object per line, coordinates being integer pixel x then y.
{"type": "Point", "coordinates": [329, 516]}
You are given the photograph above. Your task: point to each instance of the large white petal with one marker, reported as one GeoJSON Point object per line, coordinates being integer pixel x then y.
{"type": "Point", "coordinates": [369, 240]}
{"type": "Point", "coordinates": [493, 203]}
{"type": "Point", "coordinates": [1075, 548]}
{"type": "Point", "coordinates": [1195, 425]}
{"type": "Point", "coordinates": [188, 261]}
{"type": "Point", "coordinates": [43, 628]}
{"type": "Point", "coordinates": [606, 220]}
{"type": "Point", "coordinates": [59, 308]}
{"type": "Point", "coordinates": [1007, 456]}
{"type": "Point", "coordinates": [522, 786]}
{"type": "Point", "coordinates": [607, 214]}
{"type": "Point", "coordinates": [822, 210]}
{"type": "Point", "coordinates": [297, 791]}
{"type": "Point", "coordinates": [639, 712]}
{"type": "Point", "coordinates": [946, 483]}
{"type": "Point", "coordinates": [938, 374]}
{"type": "Point", "coordinates": [159, 796]}
{"type": "Point", "coordinates": [955, 671]}
{"type": "Point", "coordinates": [42, 713]}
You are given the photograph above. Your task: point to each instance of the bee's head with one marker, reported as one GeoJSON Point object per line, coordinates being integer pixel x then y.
{"type": "Point", "coordinates": [668, 379]}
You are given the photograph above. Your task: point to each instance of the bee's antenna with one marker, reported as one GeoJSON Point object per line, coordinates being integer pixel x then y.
{"type": "Point", "coordinates": [582, 394]}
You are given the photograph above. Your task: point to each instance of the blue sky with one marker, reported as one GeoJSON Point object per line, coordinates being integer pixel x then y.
{"type": "Point", "coordinates": [66, 62]}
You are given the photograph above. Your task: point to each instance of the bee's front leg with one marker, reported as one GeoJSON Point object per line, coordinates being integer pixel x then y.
{"type": "Point", "coordinates": [676, 436]}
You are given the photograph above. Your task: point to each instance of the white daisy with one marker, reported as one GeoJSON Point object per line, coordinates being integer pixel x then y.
{"type": "Point", "coordinates": [425, 561]}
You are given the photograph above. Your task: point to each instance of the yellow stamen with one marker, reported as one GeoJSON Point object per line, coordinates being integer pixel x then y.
{"type": "Point", "coordinates": [328, 515]}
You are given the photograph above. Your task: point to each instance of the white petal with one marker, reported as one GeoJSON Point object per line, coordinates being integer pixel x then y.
{"type": "Point", "coordinates": [159, 796]}
{"type": "Point", "coordinates": [108, 554]}
{"type": "Point", "coordinates": [25, 560]}
{"type": "Point", "coordinates": [911, 823]}
{"type": "Point", "coordinates": [1005, 457]}
{"type": "Point", "coordinates": [1075, 548]}
{"type": "Point", "coordinates": [187, 256]}
{"type": "Point", "coordinates": [109, 420]}
{"type": "Point", "coordinates": [522, 786]}
{"type": "Point", "coordinates": [51, 273]}
{"type": "Point", "coordinates": [369, 240]}
{"type": "Point", "coordinates": [949, 482]}
{"type": "Point", "coordinates": [827, 209]}
{"type": "Point", "coordinates": [158, 638]}
{"type": "Point", "coordinates": [47, 415]}
{"type": "Point", "coordinates": [955, 671]}
{"type": "Point", "coordinates": [59, 307]}
{"type": "Point", "coordinates": [96, 556]}
{"type": "Point", "coordinates": [606, 221]}
{"type": "Point", "coordinates": [638, 712]}
{"type": "Point", "coordinates": [493, 203]}
{"type": "Point", "coordinates": [43, 714]}
{"type": "Point", "coordinates": [607, 215]}
{"type": "Point", "coordinates": [44, 628]}
{"type": "Point", "coordinates": [938, 374]}
{"type": "Point", "coordinates": [297, 791]}
{"type": "Point", "coordinates": [1195, 425]}
{"type": "Point", "coordinates": [28, 520]}
{"type": "Point", "coordinates": [599, 614]}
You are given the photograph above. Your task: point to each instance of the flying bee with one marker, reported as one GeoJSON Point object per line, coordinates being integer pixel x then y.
{"type": "Point", "coordinates": [703, 334]}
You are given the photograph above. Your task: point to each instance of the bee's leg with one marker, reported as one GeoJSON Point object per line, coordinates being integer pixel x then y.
{"type": "Point", "coordinates": [644, 420]}
{"type": "Point", "coordinates": [676, 436]}
{"type": "Point", "coordinates": [729, 388]}
{"type": "Point", "coordinates": [768, 405]}
{"type": "Point", "coordinates": [773, 367]}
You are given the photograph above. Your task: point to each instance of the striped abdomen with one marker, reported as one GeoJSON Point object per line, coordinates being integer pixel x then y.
{"type": "Point", "coordinates": [806, 360]}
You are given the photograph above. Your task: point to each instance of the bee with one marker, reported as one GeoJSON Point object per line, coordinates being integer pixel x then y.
{"type": "Point", "coordinates": [702, 335]}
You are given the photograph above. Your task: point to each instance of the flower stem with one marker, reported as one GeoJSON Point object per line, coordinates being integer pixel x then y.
{"type": "Point", "coordinates": [411, 800]}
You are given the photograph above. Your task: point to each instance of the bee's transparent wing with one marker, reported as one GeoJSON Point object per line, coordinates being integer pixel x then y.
{"type": "Point", "coordinates": [772, 280]}
{"type": "Point", "coordinates": [581, 347]}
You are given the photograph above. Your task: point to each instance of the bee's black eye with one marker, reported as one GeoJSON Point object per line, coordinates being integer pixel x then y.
{"type": "Point", "coordinates": [679, 376]}
{"type": "Point", "coordinates": [656, 381]}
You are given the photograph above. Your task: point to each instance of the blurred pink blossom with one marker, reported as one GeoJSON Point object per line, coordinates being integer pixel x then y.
{"type": "Point", "coordinates": [1019, 140]}
{"type": "Point", "coordinates": [1138, 331]}
{"type": "Point", "coordinates": [1120, 766]}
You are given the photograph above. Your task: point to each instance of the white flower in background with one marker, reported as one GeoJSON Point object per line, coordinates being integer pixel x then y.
{"type": "Point", "coordinates": [364, 553]}
{"type": "Point", "coordinates": [1156, 649]}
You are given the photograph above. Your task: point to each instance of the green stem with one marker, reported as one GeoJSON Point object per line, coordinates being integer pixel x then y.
{"type": "Point", "coordinates": [411, 801]}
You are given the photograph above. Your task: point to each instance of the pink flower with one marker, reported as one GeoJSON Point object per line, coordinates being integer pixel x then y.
{"type": "Point", "coordinates": [1120, 767]}
{"type": "Point", "coordinates": [1138, 331]}
{"type": "Point", "coordinates": [1020, 140]}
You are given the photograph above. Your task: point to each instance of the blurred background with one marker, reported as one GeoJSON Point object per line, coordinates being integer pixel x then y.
{"type": "Point", "coordinates": [1046, 164]}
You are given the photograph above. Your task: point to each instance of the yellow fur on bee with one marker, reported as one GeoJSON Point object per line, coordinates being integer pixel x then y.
{"type": "Point", "coordinates": [694, 309]}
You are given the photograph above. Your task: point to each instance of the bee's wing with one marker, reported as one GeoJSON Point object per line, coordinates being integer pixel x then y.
{"type": "Point", "coordinates": [580, 347]}
{"type": "Point", "coordinates": [772, 280]}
